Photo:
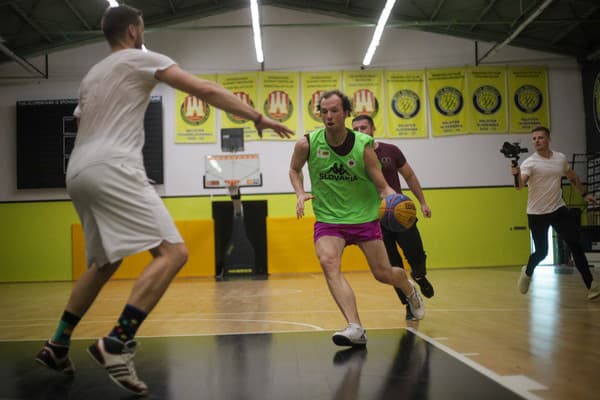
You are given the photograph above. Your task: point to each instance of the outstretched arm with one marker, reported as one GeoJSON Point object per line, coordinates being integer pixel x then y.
{"type": "Point", "coordinates": [415, 187]}
{"type": "Point", "coordinates": [218, 96]}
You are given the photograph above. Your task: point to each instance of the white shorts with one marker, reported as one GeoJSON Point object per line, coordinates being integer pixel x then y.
{"type": "Point", "coordinates": [120, 212]}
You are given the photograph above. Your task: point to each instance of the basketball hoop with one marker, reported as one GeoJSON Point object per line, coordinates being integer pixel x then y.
{"type": "Point", "coordinates": [226, 170]}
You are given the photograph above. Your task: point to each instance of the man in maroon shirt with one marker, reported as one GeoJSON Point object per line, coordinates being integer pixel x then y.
{"type": "Point", "coordinates": [393, 162]}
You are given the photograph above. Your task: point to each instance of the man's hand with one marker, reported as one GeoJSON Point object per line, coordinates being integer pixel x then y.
{"type": "Point", "coordinates": [591, 200]}
{"type": "Point", "coordinates": [300, 204]}
{"type": "Point", "coordinates": [264, 122]}
{"type": "Point", "coordinates": [426, 210]}
{"type": "Point", "coordinates": [515, 170]}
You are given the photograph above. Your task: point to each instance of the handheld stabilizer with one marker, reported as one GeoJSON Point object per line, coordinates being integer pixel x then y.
{"type": "Point", "coordinates": [513, 150]}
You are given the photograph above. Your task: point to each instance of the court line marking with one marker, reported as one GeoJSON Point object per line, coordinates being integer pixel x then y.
{"type": "Point", "coordinates": [183, 335]}
{"type": "Point", "coordinates": [519, 384]}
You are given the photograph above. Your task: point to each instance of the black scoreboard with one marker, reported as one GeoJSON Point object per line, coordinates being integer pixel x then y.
{"type": "Point", "coordinates": [46, 131]}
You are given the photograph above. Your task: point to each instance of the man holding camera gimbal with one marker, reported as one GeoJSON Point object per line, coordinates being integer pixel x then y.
{"type": "Point", "coordinates": [542, 173]}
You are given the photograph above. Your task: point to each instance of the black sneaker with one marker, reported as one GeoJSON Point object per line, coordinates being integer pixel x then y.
{"type": "Point", "coordinates": [48, 357]}
{"type": "Point", "coordinates": [425, 286]}
{"type": "Point", "coordinates": [409, 315]}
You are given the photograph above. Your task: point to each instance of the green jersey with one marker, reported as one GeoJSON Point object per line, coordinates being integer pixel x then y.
{"type": "Point", "coordinates": [344, 193]}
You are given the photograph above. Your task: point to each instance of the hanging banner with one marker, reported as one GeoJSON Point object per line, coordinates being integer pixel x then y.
{"type": "Point", "coordinates": [244, 86]}
{"type": "Point", "coordinates": [447, 88]}
{"type": "Point", "coordinates": [488, 112]}
{"type": "Point", "coordinates": [279, 100]}
{"type": "Point", "coordinates": [405, 104]}
{"type": "Point", "coordinates": [194, 118]}
{"type": "Point", "coordinates": [529, 106]}
{"type": "Point", "coordinates": [313, 84]}
{"type": "Point", "coordinates": [365, 90]}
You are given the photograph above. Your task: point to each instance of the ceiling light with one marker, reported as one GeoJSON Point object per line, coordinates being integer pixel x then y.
{"type": "Point", "coordinates": [385, 14]}
{"type": "Point", "coordinates": [256, 30]}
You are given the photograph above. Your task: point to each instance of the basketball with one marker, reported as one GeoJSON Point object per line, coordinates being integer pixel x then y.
{"type": "Point", "coordinates": [397, 212]}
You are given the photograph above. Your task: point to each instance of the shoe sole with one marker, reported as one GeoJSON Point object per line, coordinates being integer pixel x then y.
{"type": "Point", "coordinates": [344, 341]}
{"type": "Point", "coordinates": [96, 355]}
{"type": "Point", "coordinates": [69, 372]}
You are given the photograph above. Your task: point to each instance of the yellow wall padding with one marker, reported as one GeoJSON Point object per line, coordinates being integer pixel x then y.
{"type": "Point", "coordinates": [291, 248]}
{"type": "Point", "coordinates": [198, 237]}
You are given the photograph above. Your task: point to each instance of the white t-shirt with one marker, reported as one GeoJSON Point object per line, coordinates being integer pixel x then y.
{"type": "Point", "coordinates": [545, 174]}
{"type": "Point", "coordinates": [113, 98]}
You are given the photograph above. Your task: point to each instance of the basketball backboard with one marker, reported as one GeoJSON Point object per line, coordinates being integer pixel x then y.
{"type": "Point", "coordinates": [226, 170]}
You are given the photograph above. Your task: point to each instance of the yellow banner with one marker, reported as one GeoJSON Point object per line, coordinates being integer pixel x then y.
{"type": "Point", "coordinates": [279, 100]}
{"type": "Point", "coordinates": [488, 112]}
{"type": "Point", "coordinates": [194, 118]}
{"type": "Point", "coordinates": [365, 89]}
{"type": "Point", "coordinates": [447, 101]}
{"type": "Point", "coordinates": [313, 84]}
{"type": "Point", "coordinates": [405, 105]}
{"type": "Point", "coordinates": [244, 86]}
{"type": "Point", "coordinates": [529, 106]}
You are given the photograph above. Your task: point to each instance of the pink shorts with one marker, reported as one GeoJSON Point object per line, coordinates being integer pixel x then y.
{"type": "Point", "coordinates": [351, 233]}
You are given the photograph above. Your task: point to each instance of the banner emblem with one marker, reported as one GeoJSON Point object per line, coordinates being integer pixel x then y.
{"type": "Point", "coordinates": [406, 104]}
{"type": "Point", "coordinates": [448, 101]}
{"type": "Point", "coordinates": [194, 111]}
{"type": "Point", "coordinates": [278, 106]}
{"type": "Point", "coordinates": [487, 99]}
{"type": "Point", "coordinates": [528, 99]}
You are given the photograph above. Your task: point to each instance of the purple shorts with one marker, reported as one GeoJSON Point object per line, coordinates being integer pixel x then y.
{"type": "Point", "coordinates": [351, 233]}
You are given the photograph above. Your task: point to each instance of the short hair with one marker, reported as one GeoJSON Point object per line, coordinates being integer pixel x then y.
{"type": "Point", "coordinates": [346, 104]}
{"type": "Point", "coordinates": [116, 20]}
{"type": "Point", "coordinates": [541, 128]}
{"type": "Point", "coordinates": [364, 117]}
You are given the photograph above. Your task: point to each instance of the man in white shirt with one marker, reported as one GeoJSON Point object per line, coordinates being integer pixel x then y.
{"type": "Point", "coordinates": [120, 212]}
{"type": "Point", "coordinates": [542, 173]}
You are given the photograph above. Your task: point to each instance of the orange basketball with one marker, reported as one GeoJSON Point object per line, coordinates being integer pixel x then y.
{"type": "Point", "coordinates": [397, 212]}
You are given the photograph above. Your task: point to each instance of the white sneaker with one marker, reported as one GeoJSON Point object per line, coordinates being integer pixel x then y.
{"type": "Point", "coordinates": [120, 365]}
{"type": "Point", "coordinates": [353, 335]}
{"type": "Point", "coordinates": [524, 281]}
{"type": "Point", "coordinates": [594, 290]}
{"type": "Point", "coordinates": [415, 303]}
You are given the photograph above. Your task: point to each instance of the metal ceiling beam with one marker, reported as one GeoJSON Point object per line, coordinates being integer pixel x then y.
{"type": "Point", "coordinates": [574, 25]}
{"type": "Point", "coordinates": [31, 22]}
{"type": "Point", "coordinates": [495, 48]}
{"type": "Point", "coordinates": [404, 24]}
{"type": "Point", "coordinates": [415, 5]}
{"type": "Point", "coordinates": [77, 14]}
{"type": "Point", "coordinates": [437, 9]}
{"type": "Point", "coordinates": [484, 12]}
{"type": "Point", "coordinates": [23, 62]}
{"type": "Point", "coordinates": [173, 10]}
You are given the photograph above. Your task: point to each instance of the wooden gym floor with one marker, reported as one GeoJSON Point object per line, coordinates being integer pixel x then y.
{"type": "Point", "coordinates": [270, 339]}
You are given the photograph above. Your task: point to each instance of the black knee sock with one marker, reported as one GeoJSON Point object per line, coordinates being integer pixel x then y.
{"type": "Point", "coordinates": [128, 323]}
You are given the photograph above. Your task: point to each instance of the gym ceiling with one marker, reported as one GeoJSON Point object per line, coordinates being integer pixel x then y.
{"type": "Point", "coordinates": [31, 28]}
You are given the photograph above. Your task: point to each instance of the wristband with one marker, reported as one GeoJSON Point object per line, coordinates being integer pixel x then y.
{"type": "Point", "coordinates": [258, 120]}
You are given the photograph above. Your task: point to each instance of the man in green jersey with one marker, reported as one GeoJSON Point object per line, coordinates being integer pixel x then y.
{"type": "Point", "coordinates": [347, 187]}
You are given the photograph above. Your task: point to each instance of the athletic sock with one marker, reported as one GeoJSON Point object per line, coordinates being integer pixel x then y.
{"type": "Point", "coordinates": [63, 333]}
{"type": "Point", "coordinates": [128, 323]}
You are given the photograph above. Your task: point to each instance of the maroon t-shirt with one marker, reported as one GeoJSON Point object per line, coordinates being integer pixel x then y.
{"type": "Point", "coordinates": [391, 158]}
